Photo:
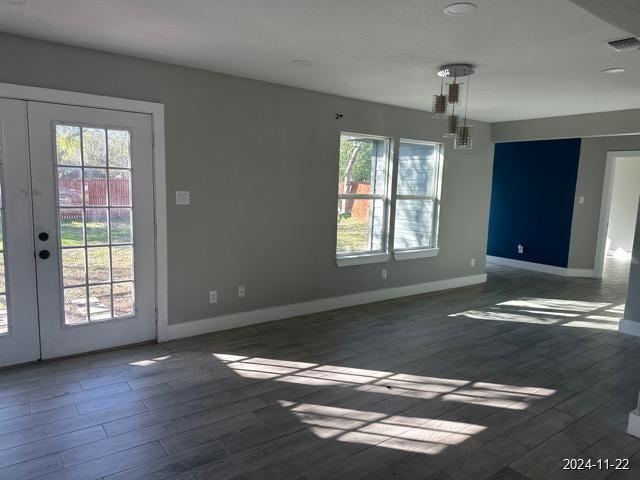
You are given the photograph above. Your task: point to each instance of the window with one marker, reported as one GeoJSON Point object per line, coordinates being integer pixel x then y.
{"type": "Point", "coordinates": [416, 199]}
{"type": "Point", "coordinates": [365, 200]}
{"type": "Point", "coordinates": [363, 195]}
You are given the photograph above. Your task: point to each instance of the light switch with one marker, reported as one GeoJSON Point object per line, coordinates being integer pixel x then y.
{"type": "Point", "coordinates": [183, 198]}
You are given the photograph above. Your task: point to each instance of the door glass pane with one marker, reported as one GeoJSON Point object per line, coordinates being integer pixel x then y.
{"type": "Point", "coordinates": [120, 187]}
{"type": "Point", "coordinates": [95, 186]}
{"type": "Point", "coordinates": [94, 147]}
{"type": "Point", "coordinates": [71, 226]}
{"type": "Point", "coordinates": [119, 148]}
{"type": "Point", "coordinates": [70, 186]}
{"type": "Point", "coordinates": [74, 267]}
{"type": "Point", "coordinates": [75, 305]}
{"type": "Point", "coordinates": [121, 227]}
{"type": "Point", "coordinates": [94, 176]}
{"type": "Point", "coordinates": [123, 299]}
{"type": "Point", "coordinates": [97, 221]}
{"type": "Point", "coordinates": [98, 264]}
{"type": "Point", "coordinates": [68, 145]}
{"type": "Point", "coordinates": [100, 303]}
{"type": "Point", "coordinates": [122, 258]}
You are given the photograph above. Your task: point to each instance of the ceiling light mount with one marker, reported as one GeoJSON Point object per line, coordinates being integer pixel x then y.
{"type": "Point", "coordinates": [613, 70]}
{"type": "Point", "coordinates": [300, 63]}
{"type": "Point", "coordinates": [455, 70]}
{"type": "Point", "coordinates": [459, 8]}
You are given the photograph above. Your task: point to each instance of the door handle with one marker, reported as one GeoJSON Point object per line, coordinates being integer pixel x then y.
{"type": "Point", "coordinates": [44, 254]}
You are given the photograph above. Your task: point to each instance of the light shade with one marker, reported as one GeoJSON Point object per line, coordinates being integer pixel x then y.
{"type": "Point", "coordinates": [439, 108]}
{"type": "Point", "coordinates": [452, 126]}
{"type": "Point", "coordinates": [454, 93]}
{"type": "Point", "coordinates": [463, 138]}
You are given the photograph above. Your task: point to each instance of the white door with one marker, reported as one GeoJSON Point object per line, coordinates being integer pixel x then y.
{"type": "Point", "coordinates": [19, 335]}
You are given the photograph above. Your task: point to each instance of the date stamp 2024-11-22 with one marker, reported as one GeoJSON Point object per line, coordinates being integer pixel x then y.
{"type": "Point", "coordinates": [596, 464]}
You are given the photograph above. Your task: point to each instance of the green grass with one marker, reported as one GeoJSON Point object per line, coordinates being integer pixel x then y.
{"type": "Point", "coordinates": [71, 231]}
{"type": "Point", "coordinates": [353, 235]}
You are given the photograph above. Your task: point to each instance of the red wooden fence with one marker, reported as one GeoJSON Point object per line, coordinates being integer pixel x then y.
{"type": "Point", "coordinates": [70, 192]}
{"type": "Point", "coordinates": [358, 208]}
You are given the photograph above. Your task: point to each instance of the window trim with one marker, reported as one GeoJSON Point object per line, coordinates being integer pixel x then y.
{"type": "Point", "coordinates": [433, 249]}
{"type": "Point", "coordinates": [382, 254]}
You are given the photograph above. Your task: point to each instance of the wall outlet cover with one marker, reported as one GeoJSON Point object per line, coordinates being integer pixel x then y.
{"type": "Point", "coordinates": [183, 198]}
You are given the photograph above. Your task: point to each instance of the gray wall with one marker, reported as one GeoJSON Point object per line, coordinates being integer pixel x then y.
{"type": "Point", "coordinates": [601, 133]}
{"type": "Point", "coordinates": [586, 217]}
{"type": "Point", "coordinates": [261, 162]}
{"type": "Point", "coordinates": [624, 205]}
{"type": "Point", "coordinates": [624, 122]}
{"type": "Point", "coordinates": [632, 310]}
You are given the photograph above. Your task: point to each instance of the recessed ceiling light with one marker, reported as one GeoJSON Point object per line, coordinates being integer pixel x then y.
{"type": "Point", "coordinates": [613, 70]}
{"type": "Point", "coordinates": [301, 63]}
{"type": "Point", "coordinates": [460, 8]}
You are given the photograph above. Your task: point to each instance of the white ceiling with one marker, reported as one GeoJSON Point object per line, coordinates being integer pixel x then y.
{"type": "Point", "coordinates": [535, 58]}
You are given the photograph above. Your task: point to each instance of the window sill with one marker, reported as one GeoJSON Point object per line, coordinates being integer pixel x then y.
{"type": "Point", "coordinates": [415, 254]}
{"type": "Point", "coordinates": [362, 259]}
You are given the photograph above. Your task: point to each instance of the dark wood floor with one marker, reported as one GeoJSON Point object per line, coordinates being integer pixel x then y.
{"type": "Point", "coordinates": [499, 381]}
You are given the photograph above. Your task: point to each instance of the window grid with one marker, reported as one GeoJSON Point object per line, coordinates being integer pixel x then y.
{"type": "Point", "coordinates": [4, 310]}
{"type": "Point", "coordinates": [431, 196]}
{"type": "Point", "coordinates": [88, 285]}
{"type": "Point", "coordinates": [373, 197]}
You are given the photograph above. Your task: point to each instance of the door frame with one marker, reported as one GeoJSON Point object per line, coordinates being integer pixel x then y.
{"type": "Point", "coordinates": [605, 207]}
{"type": "Point", "coordinates": [156, 110]}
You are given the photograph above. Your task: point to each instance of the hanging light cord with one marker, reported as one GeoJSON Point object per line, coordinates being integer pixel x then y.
{"type": "Point", "coordinates": [466, 101]}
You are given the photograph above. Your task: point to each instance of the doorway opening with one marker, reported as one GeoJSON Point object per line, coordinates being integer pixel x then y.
{"type": "Point", "coordinates": [618, 216]}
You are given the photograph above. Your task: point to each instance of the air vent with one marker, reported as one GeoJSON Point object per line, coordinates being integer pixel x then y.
{"type": "Point", "coordinates": [631, 43]}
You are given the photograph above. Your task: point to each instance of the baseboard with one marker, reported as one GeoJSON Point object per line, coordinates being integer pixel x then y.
{"type": "Point", "coordinates": [242, 319]}
{"type": "Point", "coordinates": [540, 267]}
{"type": "Point", "coordinates": [629, 327]}
{"type": "Point", "coordinates": [634, 424]}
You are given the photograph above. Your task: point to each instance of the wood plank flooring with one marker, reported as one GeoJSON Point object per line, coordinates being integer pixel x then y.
{"type": "Point", "coordinates": [499, 381]}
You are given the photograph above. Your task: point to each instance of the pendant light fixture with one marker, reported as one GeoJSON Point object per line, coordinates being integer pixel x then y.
{"type": "Point", "coordinates": [462, 133]}
{"type": "Point", "coordinates": [440, 102]}
{"type": "Point", "coordinates": [452, 124]}
{"type": "Point", "coordinates": [463, 137]}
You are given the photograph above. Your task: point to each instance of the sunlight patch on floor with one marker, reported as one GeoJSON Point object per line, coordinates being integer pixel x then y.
{"type": "Point", "coordinates": [551, 311]}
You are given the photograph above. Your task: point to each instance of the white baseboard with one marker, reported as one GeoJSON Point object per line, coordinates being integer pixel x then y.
{"type": "Point", "coordinates": [629, 327]}
{"type": "Point", "coordinates": [242, 319]}
{"type": "Point", "coordinates": [634, 424]}
{"type": "Point", "coordinates": [540, 267]}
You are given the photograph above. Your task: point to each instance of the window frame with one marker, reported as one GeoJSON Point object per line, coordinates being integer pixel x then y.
{"type": "Point", "coordinates": [434, 196]}
{"type": "Point", "coordinates": [382, 254]}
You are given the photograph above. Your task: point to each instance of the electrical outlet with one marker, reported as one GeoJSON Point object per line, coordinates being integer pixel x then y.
{"type": "Point", "coordinates": [473, 262]}
{"type": "Point", "coordinates": [580, 200]}
{"type": "Point", "coordinates": [520, 249]}
{"type": "Point", "coordinates": [384, 273]}
{"type": "Point", "coordinates": [241, 291]}
{"type": "Point", "coordinates": [183, 198]}
{"type": "Point", "coordinates": [213, 296]}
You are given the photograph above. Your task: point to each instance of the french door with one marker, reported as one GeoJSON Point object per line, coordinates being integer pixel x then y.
{"type": "Point", "coordinates": [78, 224]}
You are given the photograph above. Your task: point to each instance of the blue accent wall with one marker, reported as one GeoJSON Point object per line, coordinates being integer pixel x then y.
{"type": "Point", "coordinates": [532, 200]}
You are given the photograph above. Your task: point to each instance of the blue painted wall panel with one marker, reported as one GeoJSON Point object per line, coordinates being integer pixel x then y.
{"type": "Point", "coordinates": [532, 199]}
